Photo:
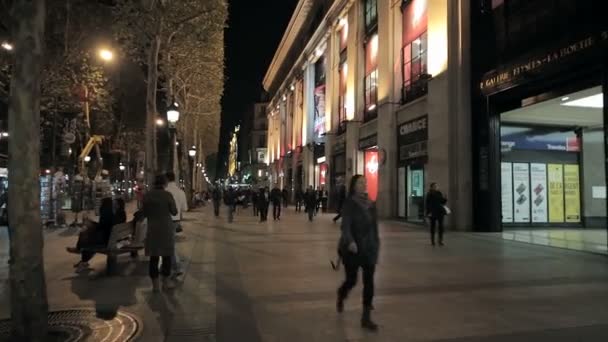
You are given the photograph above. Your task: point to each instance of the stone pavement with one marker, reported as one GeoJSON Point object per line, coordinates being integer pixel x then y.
{"type": "Point", "coordinates": [251, 281]}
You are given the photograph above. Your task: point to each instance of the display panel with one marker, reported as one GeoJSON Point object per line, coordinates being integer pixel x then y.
{"type": "Point", "coordinates": [538, 176]}
{"type": "Point", "coordinates": [555, 175]}
{"type": "Point", "coordinates": [572, 194]}
{"type": "Point", "coordinates": [507, 192]}
{"type": "Point", "coordinates": [521, 192]}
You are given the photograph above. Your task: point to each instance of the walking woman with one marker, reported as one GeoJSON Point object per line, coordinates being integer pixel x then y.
{"type": "Point", "coordinates": [159, 207]}
{"type": "Point", "coordinates": [359, 246]}
{"type": "Point", "coordinates": [436, 211]}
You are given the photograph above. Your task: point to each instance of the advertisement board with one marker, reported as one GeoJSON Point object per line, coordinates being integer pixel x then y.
{"type": "Point", "coordinates": [555, 174]}
{"type": "Point", "coordinates": [506, 179]}
{"type": "Point", "coordinates": [371, 173]}
{"type": "Point", "coordinates": [538, 177]}
{"type": "Point", "coordinates": [572, 193]}
{"type": "Point", "coordinates": [521, 192]}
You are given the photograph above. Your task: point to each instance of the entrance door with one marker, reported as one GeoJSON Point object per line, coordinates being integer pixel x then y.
{"type": "Point", "coordinates": [415, 193]}
{"type": "Point", "coordinates": [552, 170]}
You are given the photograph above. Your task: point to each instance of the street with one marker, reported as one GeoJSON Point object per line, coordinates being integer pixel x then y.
{"type": "Point", "coordinates": [251, 281]}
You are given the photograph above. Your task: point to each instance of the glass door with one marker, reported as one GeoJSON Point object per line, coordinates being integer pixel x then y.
{"type": "Point", "coordinates": [415, 193]}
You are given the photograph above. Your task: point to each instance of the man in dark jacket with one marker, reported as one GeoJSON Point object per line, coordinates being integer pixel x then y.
{"type": "Point", "coordinates": [254, 202]}
{"type": "Point", "coordinates": [299, 200]}
{"type": "Point", "coordinates": [263, 204]}
{"type": "Point", "coordinates": [217, 197]}
{"type": "Point", "coordinates": [435, 210]}
{"type": "Point", "coordinates": [341, 198]}
{"type": "Point", "coordinates": [275, 198]}
{"type": "Point", "coordinates": [229, 201]}
{"type": "Point", "coordinates": [310, 202]}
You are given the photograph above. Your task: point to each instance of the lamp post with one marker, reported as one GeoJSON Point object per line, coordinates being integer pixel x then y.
{"type": "Point", "coordinates": [173, 118]}
{"type": "Point", "coordinates": [192, 154]}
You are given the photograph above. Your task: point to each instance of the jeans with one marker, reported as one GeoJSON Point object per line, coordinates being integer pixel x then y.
{"type": "Point", "coordinates": [434, 222]}
{"type": "Point", "coordinates": [351, 270]}
{"type": "Point", "coordinates": [165, 268]}
{"type": "Point", "coordinates": [276, 211]}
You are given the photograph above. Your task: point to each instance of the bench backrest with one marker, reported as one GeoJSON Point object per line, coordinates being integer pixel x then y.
{"type": "Point", "coordinates": [120, 232]}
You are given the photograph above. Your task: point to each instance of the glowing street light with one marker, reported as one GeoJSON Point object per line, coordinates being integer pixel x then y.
{"type": "Point", "coordinates": [173, 113]}
{"type": "Point", "coordinates": [106, 55]}
{"type": "Point", "coordinates": [87, 159]}
{"type": "Point", "coordinates": [7, 46]}
{"type": "Point", "coordinates": [121, 167]}
{"type": "Point", "coordinates": [160, 122]}
{"type": "Point", "coordinates": [192, 151]}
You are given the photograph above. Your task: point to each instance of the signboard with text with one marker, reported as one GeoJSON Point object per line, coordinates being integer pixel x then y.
{"type": "Point", "coordinates": [412, 139]}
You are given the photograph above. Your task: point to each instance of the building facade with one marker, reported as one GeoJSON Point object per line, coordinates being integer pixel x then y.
{"type": "Point", "coordinates": [539, 117]}
{"type": "Point", "coordinates": [379, 88]}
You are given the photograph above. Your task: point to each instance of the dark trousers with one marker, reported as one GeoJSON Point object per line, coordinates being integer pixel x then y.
{"type": "Point", "coordinates": [351, 270]}
{"type": "Point", "coordinates": [311, 213]}
{"type": "Point", "coordinates": [263, 212]}
{"type": "Point", "coordinates": [298, 205]}
{"type": "Point", "coordinates": [255, 209]}
{"type": "Point", "coordinates": [337, 217]}
{"type": "Point", "coordinates": [436, 221]}
{"type": "Point", "coordinates": [276, 211]}
{"type": "Point", "coordinates": [165, 268]}
{"type": "Point", "coordinates": [216, 208]}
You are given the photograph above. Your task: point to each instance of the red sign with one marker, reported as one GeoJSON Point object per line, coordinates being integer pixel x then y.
{"type": "Point", "coordinates": [322, 173]}
{"type": "Point", "coordinates": [371, 173]}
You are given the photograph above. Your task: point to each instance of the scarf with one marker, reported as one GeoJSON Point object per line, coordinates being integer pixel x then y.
{"type": "Point", "coordinates": [364, 203]}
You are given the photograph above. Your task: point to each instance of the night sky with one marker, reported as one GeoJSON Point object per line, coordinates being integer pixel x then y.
{"type": "Point", "coordinates": [254, 31]}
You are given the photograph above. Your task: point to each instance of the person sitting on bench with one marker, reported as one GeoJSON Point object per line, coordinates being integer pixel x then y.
{"type": "Point", "coordinates": [98, 234]}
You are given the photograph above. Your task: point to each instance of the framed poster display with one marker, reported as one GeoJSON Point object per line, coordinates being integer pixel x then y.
{"type": "Point", "coordinates": [521, 192]}
{"type": "Point", "coordinates": [572, 193]}
{"type": "Point", "coordinates": [555, 175]}
{"type": "Point", "coordinates": [538, 178]}
{"type": "Point", "coordinates": [506, 177]}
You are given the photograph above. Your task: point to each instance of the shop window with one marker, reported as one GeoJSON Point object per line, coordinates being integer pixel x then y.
{"type": "Point", "coordinates": [414, 52]}
{"type": "Point", "coordinates": [371, 79]}
{"type": "Point", "coordinates": [371, 15]}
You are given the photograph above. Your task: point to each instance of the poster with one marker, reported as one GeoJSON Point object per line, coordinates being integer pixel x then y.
{"type": "Point", "coordinates": [556, 193]}
{"type": "Point", "coordinates": [507, 192]}
{"type": "Point", "coordinates": [572, 194]}
{"type": "Point", "coordinates": [538, 177]}
{"type": "Point", "coordinates": [521, 192]}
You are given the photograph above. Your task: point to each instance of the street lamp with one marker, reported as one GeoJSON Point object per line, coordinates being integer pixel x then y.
{"type": "Point", "coordinates": [192, 151]}
{"type": "Point", "coordinates": [160, 122]}
{"type": "Point", "coordinates": [121, 167]}
{"type": "Point", "coordinates": [173, 113]}
{"type": "Point", "coordinates": [106, 55]}
{"type": "Point", "coordinates": [87, 159]}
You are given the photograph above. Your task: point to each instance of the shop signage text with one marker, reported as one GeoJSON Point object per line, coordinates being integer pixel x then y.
{"type": "Point", "coordinates": [497, 78]}
{"type": "Point", "coordinates": [412, 139]}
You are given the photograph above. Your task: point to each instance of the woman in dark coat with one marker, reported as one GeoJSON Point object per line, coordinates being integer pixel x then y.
{"type": "Point", "coordinates": [96, 236]}
{"type": "Point", "coordinates": [359, 246]}
{"type": "Point", "coordinates": [435, 211]}
{"type": "Point", "coordinates": [159, 206]}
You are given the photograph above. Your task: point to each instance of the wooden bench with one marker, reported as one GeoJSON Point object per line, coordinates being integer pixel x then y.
{"type": "Point", "coordinates": [121, 234]}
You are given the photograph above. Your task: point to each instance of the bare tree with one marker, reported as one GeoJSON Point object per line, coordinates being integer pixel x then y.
{"type": "Point", "coordinates": [29, 307]}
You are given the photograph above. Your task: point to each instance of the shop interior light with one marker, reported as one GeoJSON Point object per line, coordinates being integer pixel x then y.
{"type": "Point", "coordinates": [593, 101]}
{"type": "Point", "coordinates": [371, 107]}
{"type": "Point", "coordinates": [7, 46]}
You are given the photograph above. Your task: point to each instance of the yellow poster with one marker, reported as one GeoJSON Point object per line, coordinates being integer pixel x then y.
{"type": "Point", "coordinates": [555, 175]}
{"type": "Point", "coordinates": [572, 193]}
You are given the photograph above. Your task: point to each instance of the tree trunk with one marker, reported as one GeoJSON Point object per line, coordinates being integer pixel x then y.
{"type": "Point", "coordinates": [151, 155]}
{"type": "Point", "coordinates": [29, 307]}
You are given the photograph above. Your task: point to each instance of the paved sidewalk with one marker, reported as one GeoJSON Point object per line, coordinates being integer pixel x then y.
{"type": "Point", "coordinates": [186, 314]}
{"type": "Point", "coordinates": [251, 281]}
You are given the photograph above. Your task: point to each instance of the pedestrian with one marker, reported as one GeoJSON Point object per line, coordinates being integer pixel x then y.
{"type": "Point", "coordinates": [324, 198]}
{"type": "Point", "coordinates": [436, 211]}
{"type": "Point", "coordinates": [319, 194]}
{"type": "Point", "coordinates": [254, 202]}
{"type": "Point", "coordinates": [285, 195]}
{"type": "Point", "coordinates": [341, 199]}
{"type": "Point", "coordinates": [358, 247]}
{"type": "Point", "coordinates": [263, 201]}
{"type": "Point", "coordinates": [216, 196]}
{"type": "Point", "coordinates": [310, 202]}
{"type": "Point", "coordinates": [275, 198]}
{"type": "Point", "coordinates": [159, 207]}
{"type": "Point", "coordinates": [179, 196]}
{"type": "Point", "coordinates": [229, 201]}
{"type": "Point", "coordinates": [299, 200]}
{"type": "Point", "coordinates": [97, 234]}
